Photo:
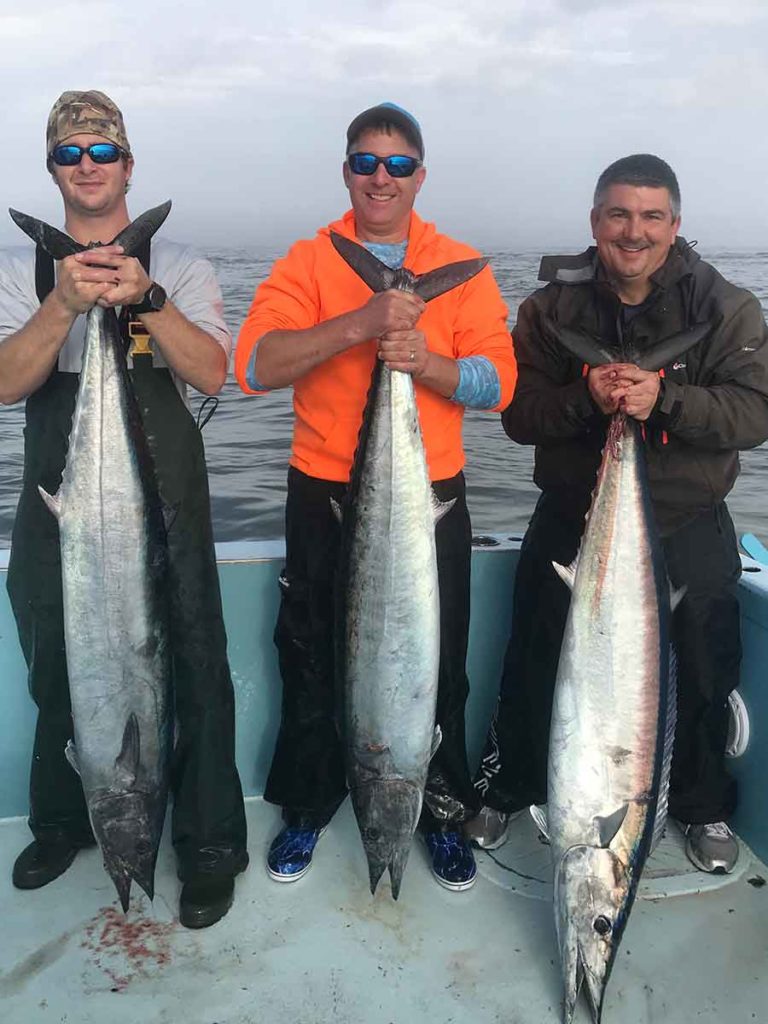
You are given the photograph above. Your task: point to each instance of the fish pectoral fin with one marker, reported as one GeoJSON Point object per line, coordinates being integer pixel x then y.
{"type": "Point", "coordinates": [607, 826]}
{"type": "Point", "coordinates": [676, 596]}
{"type": "Point", "coordinates": [440, 508]}
{"type": "Point", "coordinates": [53, 501]}
{"type": "Point", "coordinates": [71, 755]}
{"type": "Point", "coordinates": [336, 509]}
{"type": "Point", "coordinates": [567, 573]}
{"type": "Point", "coordinates": [127, 761]}
{"type": "Point", "coordinates": [437, 739]}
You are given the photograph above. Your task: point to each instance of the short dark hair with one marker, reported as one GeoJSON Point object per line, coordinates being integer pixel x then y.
{"type": "Point", "coordinates": [643, 170]}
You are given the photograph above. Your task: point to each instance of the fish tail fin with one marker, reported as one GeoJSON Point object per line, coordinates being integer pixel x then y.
{"type": "Point", "coordinates": [664, 351]}
{"type": "Point", "coordinates": [122, 881]}
{"type": "Point", "coordinates": [443, 279]}
{"type": "Point", "coordinates": [54, 242]}
{"type": "Point", "coordinates": [142, 229]}
{"type": "Point", "coordinates": [397, 868]}
{"type": "Point", "coordinates": [377, 275]}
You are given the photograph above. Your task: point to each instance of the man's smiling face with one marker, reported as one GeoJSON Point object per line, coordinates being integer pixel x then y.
{"type": "Point", "coordinates": [633, 227]}
{"type": "Point", "coordinates": [383, 204]}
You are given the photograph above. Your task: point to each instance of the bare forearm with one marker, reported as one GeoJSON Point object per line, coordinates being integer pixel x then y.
{"type": "Point", "coordinates": [441, 374]}
{"type": "Point", "coordinates": [282, 357]}
{"type": "Point", "coordinates": [190, 352]}
{"type": "Point", "coordinates": [28, 356]}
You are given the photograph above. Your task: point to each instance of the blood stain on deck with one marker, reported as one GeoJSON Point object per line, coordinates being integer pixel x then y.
{"type": "Point", "coordinates": [125, 946]}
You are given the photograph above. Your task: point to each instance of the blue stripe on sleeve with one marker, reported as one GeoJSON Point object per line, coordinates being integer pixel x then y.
{"type": "Point", "coordinates": [479, 386]}
{"type": "Point", "coordinates": [250, 374]}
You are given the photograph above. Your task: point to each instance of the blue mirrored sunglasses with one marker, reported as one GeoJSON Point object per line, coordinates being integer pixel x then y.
{"type": "Point", "coordinates": [99, 152]}
{"type": "Point", "coordinates": [395, 166]}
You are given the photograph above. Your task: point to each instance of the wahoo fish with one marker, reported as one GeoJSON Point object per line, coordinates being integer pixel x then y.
{"type": "Point", "coordinates": [613, 716]}
{"type": "Point", "coordinates": [113, 565]}
{"type": "Point", "coordinates": [388, 615]}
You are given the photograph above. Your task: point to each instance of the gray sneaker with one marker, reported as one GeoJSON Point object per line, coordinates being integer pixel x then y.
{"type": "Point", "coordinates": [488, 829]}
{"type": "Point", "coordinates": [712, 847]}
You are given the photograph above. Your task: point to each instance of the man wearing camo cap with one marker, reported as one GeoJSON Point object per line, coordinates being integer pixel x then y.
{"type": "Point", "coordinates": [172, 304]}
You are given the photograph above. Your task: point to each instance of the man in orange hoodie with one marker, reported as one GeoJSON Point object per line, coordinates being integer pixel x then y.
{"type": "Point", "coordinates": [315, 325]}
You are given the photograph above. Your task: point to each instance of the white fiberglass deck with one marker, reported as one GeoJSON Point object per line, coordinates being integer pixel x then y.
{"type": "Point", "coordinates": [323, 950]}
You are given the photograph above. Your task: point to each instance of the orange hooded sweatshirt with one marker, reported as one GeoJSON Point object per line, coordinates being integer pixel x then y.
{"type": "Point", "coordinates": [312, 284]}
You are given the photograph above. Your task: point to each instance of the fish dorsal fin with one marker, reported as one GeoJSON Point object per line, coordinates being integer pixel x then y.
{"type": "Point", "coordinates": [443, 279]}
{"type": "Point", "coordinates": [585, 347]}
{"type": "Point", "coordinates": [440, 508]}
{"type": "Point", "coordinates": [664, 351]}
{"type": "Point", "coordinates": [437, 739]}
{"type": "Point", "coordinates": [141, 229]}
{"type": "Point", "coordinates": [54, 242]}
{"type": "Point", "coordinates": [666, 758]}
{"type": "Point", "coordinates": [127, 761]}
{"type": "Point", "coordinates": [377, 275]}
{"type": "Point", "coordinates": [607, 826]}
{"type": "Point", "coordinates": [70, 753]}
{"type": "Point", "coordinates": [567, 573]}
{"type": "Point", "coordinates": [53, 501]}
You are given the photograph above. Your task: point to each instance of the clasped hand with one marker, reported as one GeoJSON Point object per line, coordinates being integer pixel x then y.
{"type": "Point", "coordinates": [101, 276]}
{"type": "Point", "coordinates": [391, 317]}
{"type": "Point", "coordinates": [624, 387]}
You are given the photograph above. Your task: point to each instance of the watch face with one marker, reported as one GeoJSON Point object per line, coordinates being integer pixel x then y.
{"type": "Point", "coordinates": [156, 297]}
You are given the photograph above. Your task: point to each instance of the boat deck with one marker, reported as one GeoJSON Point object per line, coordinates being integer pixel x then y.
{"type": "Point", "coordinates": [324, 950]}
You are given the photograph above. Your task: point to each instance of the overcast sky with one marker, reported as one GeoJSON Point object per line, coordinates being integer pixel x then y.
{"type": "Point", "coordinates": [237, 109]}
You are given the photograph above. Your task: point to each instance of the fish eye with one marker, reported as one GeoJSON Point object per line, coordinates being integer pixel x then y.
{"type": "Point", "coordinates": [601, 925]}
{"type": "Point", "coordinates": [142, 847]}
{"type": "Point", "coordinates": [371, 834]}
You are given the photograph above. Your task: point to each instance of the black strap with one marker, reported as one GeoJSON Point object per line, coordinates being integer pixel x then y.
{"type": "Point", "coordinates": [44, 276]}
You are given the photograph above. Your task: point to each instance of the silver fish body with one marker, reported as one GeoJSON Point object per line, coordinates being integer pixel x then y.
{"type": "Point", "coordinates": [114, 582]}
{"type": "Point", "coordinates": [113, 560]}
{"type": "Point", "coordinates": [612, 720]}
{"type": "Point", "coordinates": [390, 627]}
{"type": "Point", "coordinates": [388, 615]}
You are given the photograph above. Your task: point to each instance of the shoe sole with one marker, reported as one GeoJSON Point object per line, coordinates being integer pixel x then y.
{"type": "Point", "coordinates": [455, 886]}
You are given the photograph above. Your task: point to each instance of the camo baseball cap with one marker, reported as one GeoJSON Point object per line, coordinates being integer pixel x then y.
{"type": "Point", "coordinates": [87, 112]}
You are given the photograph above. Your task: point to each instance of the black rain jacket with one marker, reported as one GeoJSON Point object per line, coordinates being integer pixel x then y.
{"type": "Point", "coordinates": [713, 403]}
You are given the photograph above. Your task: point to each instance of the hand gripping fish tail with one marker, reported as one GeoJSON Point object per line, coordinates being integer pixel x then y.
{"type": "Point", "coordinates": [58, 245]}
{"type": "Point", "coordinates": [379, 277]}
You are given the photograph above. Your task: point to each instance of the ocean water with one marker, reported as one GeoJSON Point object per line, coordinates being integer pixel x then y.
{"type": "Point", "coordinates": [247, 441]}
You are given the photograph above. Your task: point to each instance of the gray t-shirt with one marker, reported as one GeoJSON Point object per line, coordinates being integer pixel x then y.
{"type": "Point", "coordinates": [188, 279]}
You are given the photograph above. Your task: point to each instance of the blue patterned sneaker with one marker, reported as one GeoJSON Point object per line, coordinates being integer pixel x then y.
{"type": "Point", "coordinates": [290, 853]}
{"type": "Point", "coordinates": [453, 863]}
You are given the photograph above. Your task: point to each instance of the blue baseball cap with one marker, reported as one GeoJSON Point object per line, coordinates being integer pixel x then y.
{"type": "Point", "coordinates": [387, 113]}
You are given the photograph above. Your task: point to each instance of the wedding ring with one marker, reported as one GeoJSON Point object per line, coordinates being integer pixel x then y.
{"type": "Point", "coordinates": [412, 356]}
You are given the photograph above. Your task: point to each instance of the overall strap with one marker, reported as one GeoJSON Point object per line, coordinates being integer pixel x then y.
{"type": "Point", "coordinates": [44, 276]}
{"type": "Point", "coordinates": [131, 328]}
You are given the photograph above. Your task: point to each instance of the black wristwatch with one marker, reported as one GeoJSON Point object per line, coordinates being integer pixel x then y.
{"type": "Point", "coordinates": [153, 301]}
